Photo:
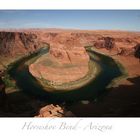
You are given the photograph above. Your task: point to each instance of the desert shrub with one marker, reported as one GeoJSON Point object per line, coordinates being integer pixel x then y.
{"type": "Point", "coordinates": [8, 81]}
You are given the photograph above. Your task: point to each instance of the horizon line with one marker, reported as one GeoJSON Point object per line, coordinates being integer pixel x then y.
{"type": "Point", "coordinates": [45, 28]}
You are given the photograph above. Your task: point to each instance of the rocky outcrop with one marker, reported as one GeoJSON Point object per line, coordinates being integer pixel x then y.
{"type": "Point", "coordinates": [16, 43]}
{"type": "Point", "coordinates": [137, 51]}
{"type": "Point", "coordinates": [105, 42]}
{"type": "Point", "coordinates": [54, 111]}
{"type": "Point", "coordinates": [66, 55]}
{"type": "Point", "coordinates": [122, 43]}
{"type": "Point", "coordinates": [61, 65]}
{"type": "Point", "coordinates": [51, 111]}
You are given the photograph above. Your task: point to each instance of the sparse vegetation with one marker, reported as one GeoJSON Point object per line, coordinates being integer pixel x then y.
{"type": "Point", "coordinates": [8, 81]}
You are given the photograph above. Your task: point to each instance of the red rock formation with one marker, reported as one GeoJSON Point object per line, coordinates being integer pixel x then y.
{"type": "Point", "coordinates": [114, 40]}
{"type": "Point", "coordinates": [51, 111]}
{"type": "Point", "coordinates": [18, 42]}
{"type": "Point", "coordinates": [61, 65]}
{"type": "Point", "coordinates": [54, 111]}
{"type": "Point", "coordinates": [105, 42]}
{"type": "Point", "coordinates": [137, 51]}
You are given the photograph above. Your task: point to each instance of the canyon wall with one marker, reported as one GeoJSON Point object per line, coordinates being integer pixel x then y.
{"type": "Point", "coordinates": [24, 41]}
{"type": "Point", "coordinates": [17, 43]}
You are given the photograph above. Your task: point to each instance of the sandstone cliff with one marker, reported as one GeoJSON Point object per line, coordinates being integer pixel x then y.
{"type": "Point", "coordinates": [24, 41]}
{"type": "Point", "coordinates": [17, 43]}
{"type": "Point", "coordinates": [61, 65]}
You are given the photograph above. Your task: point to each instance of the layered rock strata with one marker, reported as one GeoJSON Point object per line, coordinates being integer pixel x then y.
{"type": "Point", "coordinates": [61, 65]}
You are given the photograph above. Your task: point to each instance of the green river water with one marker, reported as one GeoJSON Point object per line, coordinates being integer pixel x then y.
{"type": "Point", "coordinates": [108, 69]}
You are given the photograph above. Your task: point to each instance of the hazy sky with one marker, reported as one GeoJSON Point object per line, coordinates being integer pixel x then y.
{"type": "Point", "coordinates": [79, 19]}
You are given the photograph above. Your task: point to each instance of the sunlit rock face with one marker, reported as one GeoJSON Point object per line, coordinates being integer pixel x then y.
{"type": "Point", "coordinates": [67, 55]}
{"type": "Point", "coordinates": [51, 111]}
{"type": "Point", "coordinates": [61, 65]}
{"type": "Point", "coordinates": [24, 41]}
{"type": "Point", "coordinates": [16, 43]}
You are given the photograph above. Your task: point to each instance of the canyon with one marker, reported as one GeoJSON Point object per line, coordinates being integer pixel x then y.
{"type": "Point", "coordinates": [67, 59]}
{"type": "Point", "coordinates": [61, 65]}
{"type": "Point", "coordinates": [17, 42]}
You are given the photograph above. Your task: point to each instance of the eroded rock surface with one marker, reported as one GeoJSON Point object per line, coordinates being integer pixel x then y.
{"type": "Point", "coordinates": [61, 65]}
{"type": "Point", "coordinates": [51, 111]}
{"type": "Point", "coordinates": [17, 42]}
{"type": "Point", "coordinates": [54, 111]}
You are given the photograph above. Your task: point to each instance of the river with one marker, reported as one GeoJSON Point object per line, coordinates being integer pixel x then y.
{"type": "Point", "coordinates": [109, 70]}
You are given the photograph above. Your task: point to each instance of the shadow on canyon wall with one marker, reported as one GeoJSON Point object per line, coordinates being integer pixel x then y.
{"type": "Point", "coordinates": [121, 101]}
{"type": "Point", "coordinates": [17, 104]}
